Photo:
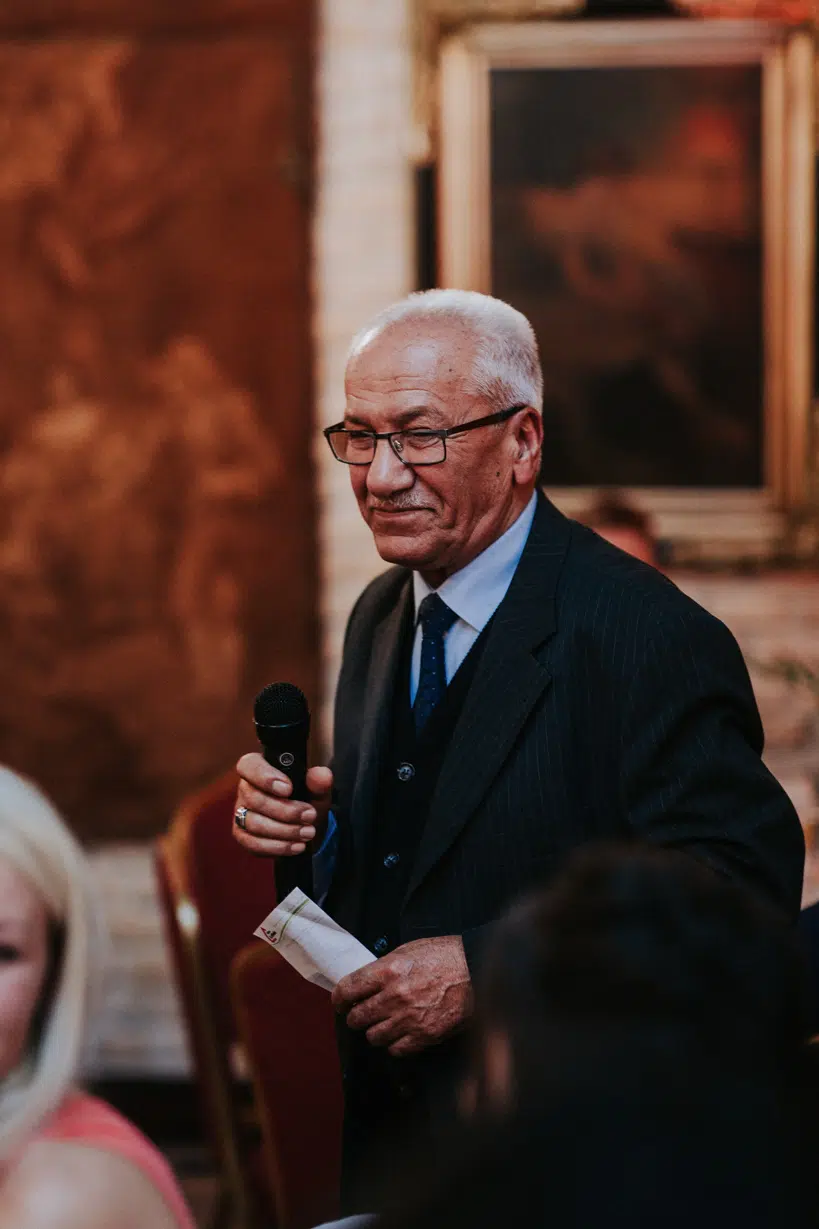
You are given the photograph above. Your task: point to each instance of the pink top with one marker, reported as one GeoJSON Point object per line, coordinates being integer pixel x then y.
{"type": "Point", "coordinates": [86, 1120]}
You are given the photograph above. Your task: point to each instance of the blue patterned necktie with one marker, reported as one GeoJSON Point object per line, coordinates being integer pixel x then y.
{"type": "Point", "coordinates": [436, 619]}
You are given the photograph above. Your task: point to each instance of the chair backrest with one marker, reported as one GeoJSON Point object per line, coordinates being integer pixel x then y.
{"type": "Point", "coordinates": [213, 896]}
{"type": "Point", "coordinates": [287, 1030]}
{"type": "Point", "coordinates": [232, 890]}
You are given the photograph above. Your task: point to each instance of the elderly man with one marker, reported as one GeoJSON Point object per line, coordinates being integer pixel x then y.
{"type": "Point", "coordinates": [513, 688]}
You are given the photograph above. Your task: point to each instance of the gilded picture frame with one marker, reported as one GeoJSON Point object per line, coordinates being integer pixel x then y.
{"type": "Point", "coordinates": [747, 478]}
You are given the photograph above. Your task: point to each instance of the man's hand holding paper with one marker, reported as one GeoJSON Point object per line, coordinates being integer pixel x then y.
{"type": "Point", "coordinates": [411, 999]}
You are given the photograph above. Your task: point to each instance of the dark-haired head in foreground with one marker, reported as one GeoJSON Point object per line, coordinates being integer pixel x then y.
{"type": "Point", "coordinates": [647, 949]}
{"type": "Point", "coordinates": [640, 1060]}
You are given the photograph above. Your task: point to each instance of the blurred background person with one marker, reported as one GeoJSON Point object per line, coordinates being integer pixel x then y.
{"type": "Point", "coordinates": [66, 1159]}
{"type": "Point", "coordinates": [625, 525]}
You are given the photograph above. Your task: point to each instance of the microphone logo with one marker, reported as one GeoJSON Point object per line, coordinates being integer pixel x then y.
{"type": "Point", "coordinates": [287, 759]}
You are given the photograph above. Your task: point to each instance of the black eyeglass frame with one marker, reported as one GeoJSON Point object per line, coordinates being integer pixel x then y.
{"type": "Point", "coordinates": [441, 433]}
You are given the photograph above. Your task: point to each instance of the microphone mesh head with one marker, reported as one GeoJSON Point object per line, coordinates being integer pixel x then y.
{"type": "Point", "coordinates": [280, 704]}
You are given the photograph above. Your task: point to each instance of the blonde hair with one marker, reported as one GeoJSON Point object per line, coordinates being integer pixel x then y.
{"type": "Point", "coordinates": [507, 367]}
{"type": "Point", "coordinates": [36, 842]}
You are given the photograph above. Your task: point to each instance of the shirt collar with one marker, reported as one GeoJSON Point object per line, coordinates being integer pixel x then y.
{"type": "Point", "coordinates": [477, 590]}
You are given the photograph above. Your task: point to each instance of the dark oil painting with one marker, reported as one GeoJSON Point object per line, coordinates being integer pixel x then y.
{"type": "Point", "coordinates": [626, 223]}
{"type": "Point", "coordinates": [156, 507]}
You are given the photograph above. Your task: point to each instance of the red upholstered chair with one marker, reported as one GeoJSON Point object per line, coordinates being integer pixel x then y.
{"type": "Point", "coordinates": [214, 895]}
{"type": "Point", "coordinates": [287, 1030]}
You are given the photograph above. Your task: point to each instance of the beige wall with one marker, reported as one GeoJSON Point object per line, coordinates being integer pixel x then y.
{"type": "Point", "coordinates": [364, 255]}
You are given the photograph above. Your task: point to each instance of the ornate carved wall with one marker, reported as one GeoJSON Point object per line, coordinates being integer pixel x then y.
{"type": "Point", "coordinates": [157, 540]}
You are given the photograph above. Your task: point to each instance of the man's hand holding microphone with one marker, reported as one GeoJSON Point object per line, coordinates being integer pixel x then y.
{"type": "Point", "coordinates": [280, 806]}
{"type": "Point", "coordinates": [272, 823]}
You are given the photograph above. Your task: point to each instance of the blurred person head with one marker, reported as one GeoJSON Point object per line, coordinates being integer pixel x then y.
{"type": "Point", "coordinates": [48, 931]}
{"type": "Point", "coordinates": [624, 525]}
{"type": "Point", "coordinates": [437, 360]}
{"type": "Point", "coordinates": [643, 957]}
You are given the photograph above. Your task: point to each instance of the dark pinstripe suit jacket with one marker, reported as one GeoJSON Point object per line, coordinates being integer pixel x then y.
{"type": "Point", "coordinates": [606, 704]}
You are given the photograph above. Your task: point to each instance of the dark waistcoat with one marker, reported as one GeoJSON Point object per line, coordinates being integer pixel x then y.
{"type": "Point", "coordinates": [409, 774]}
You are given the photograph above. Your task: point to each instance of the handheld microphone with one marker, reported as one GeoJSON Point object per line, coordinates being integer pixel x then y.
{"type": "Point", "coordinates": [282, 721]}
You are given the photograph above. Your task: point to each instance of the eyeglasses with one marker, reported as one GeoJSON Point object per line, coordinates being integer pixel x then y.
{"type": "Point", "coordinates": [416, 446]}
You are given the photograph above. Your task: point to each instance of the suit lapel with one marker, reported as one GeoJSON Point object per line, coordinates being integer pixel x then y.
{"type": "Point", "coordinates": [508, 683]}
{"type": "Point", "coordinates": [384, 660]}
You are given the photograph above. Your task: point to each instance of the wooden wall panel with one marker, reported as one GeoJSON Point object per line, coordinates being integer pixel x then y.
{"type": "Point", "coordinates": [133, 15]}
{"type": "Point", "coordinates": [157, 520]}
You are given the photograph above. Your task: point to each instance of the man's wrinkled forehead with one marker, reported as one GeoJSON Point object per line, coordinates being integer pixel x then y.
{"type": "Point", "coordinates": [434, 353]}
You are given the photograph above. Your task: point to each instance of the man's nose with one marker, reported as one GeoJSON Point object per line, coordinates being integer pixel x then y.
{"type": "Point", "coordinates": [386, 473]}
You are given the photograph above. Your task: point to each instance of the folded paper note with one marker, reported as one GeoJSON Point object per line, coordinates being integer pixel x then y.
{"type": "Point", "coordinates": [308, 938]}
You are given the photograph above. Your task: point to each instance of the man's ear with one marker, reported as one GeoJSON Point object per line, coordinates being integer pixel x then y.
{"type": "Point", "coordinates": [529, 441]}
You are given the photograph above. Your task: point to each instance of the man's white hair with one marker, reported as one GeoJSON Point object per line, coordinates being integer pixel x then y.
{"type": "Point", "coordinates": [507, 368]}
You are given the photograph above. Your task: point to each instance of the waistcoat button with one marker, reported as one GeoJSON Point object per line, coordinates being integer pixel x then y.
{"type": "Point", "coordinates": [405, 772]}
{"type": "Point", "coordinates": [392, 859]}
{"type": "Point", "coordinates": [380, 946]}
